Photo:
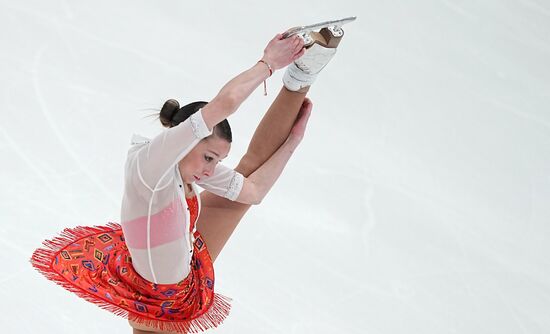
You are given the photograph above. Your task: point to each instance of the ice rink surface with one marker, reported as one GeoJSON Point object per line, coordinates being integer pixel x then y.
{"type": "Point", "coordinates": [418, 201]}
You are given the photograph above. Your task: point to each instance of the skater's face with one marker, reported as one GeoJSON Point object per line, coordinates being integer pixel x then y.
{"type": "Point", "coordinates": [203, 158]}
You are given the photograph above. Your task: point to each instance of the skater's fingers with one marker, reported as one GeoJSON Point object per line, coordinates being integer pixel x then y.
{"type": "Point", "coordinates": [305, 108]}
{"type": "Point", "coordinates": [307, 113]}
{"type": "Point", "coordinates": [299, 127]}
{"type": "Point", "coordinates": [299, 54]}
{"type": "Point", "coordinates": [307, 104]}
{"type": "Point", "coordinates": [303, 116]}
{"type": "Point", "coordinates": [275, 39]}
{"type": "Point", "coordinates": [297, 42]}
{"type": "Point", "coordinates": [298, 46]}
{"type": "Point", "coordinates": [291, 41]}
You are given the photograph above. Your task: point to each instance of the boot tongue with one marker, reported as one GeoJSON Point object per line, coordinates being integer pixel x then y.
{"type": "Point", "coordinates": [315, 59]}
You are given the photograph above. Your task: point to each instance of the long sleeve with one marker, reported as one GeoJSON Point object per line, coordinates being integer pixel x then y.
{"type": "Point", "coordinates": [165, 150]}
{"type": "Point", "coordinates": [153, 215]}
{"type": "Point", "coordinates": [224, 182]}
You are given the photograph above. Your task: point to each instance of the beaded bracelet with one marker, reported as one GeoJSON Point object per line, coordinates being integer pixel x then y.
{"type": "Point", "coordinates": [270, 74]}
{"type": "Point", "coordinates": [268, 66]}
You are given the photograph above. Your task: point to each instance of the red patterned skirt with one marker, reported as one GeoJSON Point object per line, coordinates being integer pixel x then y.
{"type": "Point", "coordinates": [94, 263]}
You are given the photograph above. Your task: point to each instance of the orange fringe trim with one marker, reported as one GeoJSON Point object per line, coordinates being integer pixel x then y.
{"type": "Point", "coordinates": [42, 259]}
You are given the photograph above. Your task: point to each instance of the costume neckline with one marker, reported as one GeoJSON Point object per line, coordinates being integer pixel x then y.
{"type": "Point", "coordinates": [192, 191]}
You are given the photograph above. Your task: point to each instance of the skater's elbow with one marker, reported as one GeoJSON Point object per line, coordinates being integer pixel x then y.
{"type": "Point", "coordinates": [257, 200]}
{"type": "Point", "coordinates": [250, 193]}
{"type": "Point", "coordinates": [259, 195]}
{"type": "Point", "coordinates": [221, 107]}
{"type": "Point", "coordinates": [255, 197]}
{"type": "Point", "coordinates": [229, 100]}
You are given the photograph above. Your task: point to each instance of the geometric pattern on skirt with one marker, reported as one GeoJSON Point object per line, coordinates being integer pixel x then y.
{"type": "Point", "coordinates": [95, 264]}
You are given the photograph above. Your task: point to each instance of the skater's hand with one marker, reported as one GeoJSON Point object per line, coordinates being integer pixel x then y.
{"type": "Point", "coordinates": [299, 128]}
{"type": "Point", "coordinates": [281, 52]}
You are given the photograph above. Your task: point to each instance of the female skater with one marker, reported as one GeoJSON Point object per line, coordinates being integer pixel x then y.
{"type": "Point", "coordinates": [157, 270]}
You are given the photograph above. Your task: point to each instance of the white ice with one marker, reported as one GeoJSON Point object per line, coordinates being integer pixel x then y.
{"type": "Point", "coordinates": [418, 201]}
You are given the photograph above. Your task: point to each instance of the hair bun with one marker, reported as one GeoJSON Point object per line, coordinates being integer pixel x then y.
{"type": "Point", "coordinates": [168, 111]}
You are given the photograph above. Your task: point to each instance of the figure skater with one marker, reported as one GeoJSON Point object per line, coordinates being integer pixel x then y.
{"type": "Point", "coordinates": [156, 268]}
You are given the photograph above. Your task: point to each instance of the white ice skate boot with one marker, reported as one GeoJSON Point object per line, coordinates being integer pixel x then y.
{"type": "Point", "coordinates": [320, 48]}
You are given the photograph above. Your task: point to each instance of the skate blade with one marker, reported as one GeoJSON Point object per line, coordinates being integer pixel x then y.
{"type": "Point", "coordinates": [334, 26]}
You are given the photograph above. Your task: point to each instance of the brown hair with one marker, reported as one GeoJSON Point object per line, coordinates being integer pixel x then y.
{"type": "Point", "coordinates": [171, 115]}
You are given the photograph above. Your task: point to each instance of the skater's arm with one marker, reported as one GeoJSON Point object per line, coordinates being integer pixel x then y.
{"type": "Point", "coordinates": [278, 54]}
{"type": "Point", "coordinates": [154, 161]}
{"type": "Point", "coordinates": [233, 94]}
{"type": "Point", "coordinates": [224, 182]}
{"type": "Point", "coordinates": [234, 186]}
{"type": "Point", "coordinates": [258, 184]}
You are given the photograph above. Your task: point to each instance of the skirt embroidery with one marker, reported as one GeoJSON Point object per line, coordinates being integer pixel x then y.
{"type": "Point", "coordinates": [94, 263]}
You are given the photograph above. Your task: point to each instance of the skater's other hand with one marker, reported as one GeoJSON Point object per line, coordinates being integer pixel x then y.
{"type": "Point", "coordinates": [281, 52]}
{"type": "Point", "coordinates": [299, 128]}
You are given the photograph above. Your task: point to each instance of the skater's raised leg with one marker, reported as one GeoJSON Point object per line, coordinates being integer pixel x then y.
{"type": "Point", "coordinates": [219, 216]}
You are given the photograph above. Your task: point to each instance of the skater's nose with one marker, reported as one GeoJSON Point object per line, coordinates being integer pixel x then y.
{"type": "Point", "coordinates": [208, 171]}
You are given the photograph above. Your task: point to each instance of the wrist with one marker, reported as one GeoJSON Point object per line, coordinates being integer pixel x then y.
{"type": "Point", "coordinates": [271, 59]}
{"type": "Point", "coordinates": [267, 64]}
{"type": "Point", "coordinates": [293, 141]}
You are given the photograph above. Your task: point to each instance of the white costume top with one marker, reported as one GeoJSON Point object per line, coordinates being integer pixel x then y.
{"type": "Point", "coordinates": [154, 213]}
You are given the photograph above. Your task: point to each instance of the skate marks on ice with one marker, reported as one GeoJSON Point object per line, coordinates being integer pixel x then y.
{"type": "Point", "coordinates": [55, 129]}
{"type": "Point", "coordinates": [94, 38]}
